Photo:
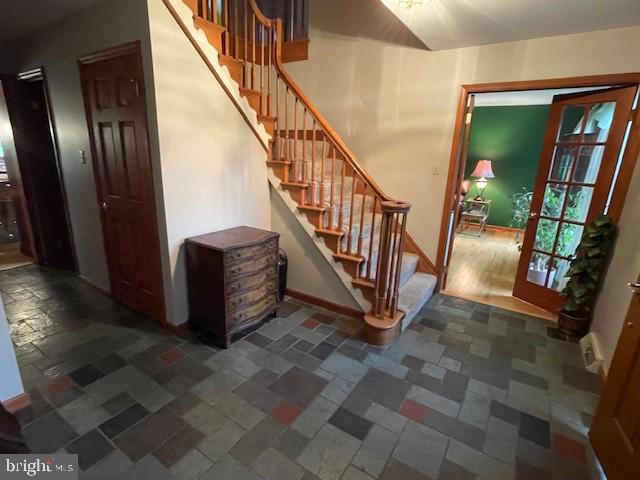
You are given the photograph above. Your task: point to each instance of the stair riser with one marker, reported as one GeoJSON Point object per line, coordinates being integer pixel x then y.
{"type": "Point", "coordinates": [254, 99]}
{"type": "Point", "coordinates": [235, 69]}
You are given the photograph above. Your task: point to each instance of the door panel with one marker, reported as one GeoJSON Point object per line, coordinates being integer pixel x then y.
{"type": "Point", "coordinates": [581, 149]}
{"type": "Point", "coordinates": [116, 110]}
{"type": "Point", "coordinates": [615, 432]}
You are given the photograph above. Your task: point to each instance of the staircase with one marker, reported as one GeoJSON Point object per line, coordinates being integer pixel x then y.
{"type": "Point", "coordinates": [364, 228]}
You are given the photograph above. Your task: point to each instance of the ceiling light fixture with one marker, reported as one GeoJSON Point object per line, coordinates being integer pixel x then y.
{"type": "Point", "coordinates": [411, 3]}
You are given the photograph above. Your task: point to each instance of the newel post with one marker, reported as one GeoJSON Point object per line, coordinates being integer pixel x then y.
{"type": "Point", "coordinates": [383, 322]}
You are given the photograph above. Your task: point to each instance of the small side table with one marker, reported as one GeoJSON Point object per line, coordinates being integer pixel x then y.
{"type": "Point", "coordinates": [477, 214]}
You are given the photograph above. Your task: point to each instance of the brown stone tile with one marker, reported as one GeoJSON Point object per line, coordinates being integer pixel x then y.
{"type": "Point", "coordinates": [569, 448]}
{"type": "Point", "coordinates": [148, 434]}
{"type": "Point", "coordinates": [286, 412]}
{"type": "Point", "coordinates": [413, 410]}
{"type": "Point", "coordinates": [172, 355]}
{"type": "Point", "coordinates": [178, 446]}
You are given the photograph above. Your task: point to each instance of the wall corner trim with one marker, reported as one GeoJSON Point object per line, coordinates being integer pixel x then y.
{"type": "Point", "coordinates": [17, 403]}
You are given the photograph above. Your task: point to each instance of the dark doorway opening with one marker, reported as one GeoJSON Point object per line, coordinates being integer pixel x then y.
{"type": "Point", "coordinates": [37, 197]}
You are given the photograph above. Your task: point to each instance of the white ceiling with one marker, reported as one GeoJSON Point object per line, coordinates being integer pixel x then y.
{"type": "Point", "coordinates": [443, 24]}
{"type": "Point", "coordinates": [526, 97]}
{"type": "Point", "coordinates": [20, 17]}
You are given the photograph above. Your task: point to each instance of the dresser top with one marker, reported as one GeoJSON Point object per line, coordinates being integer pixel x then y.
{"type": "Point", "coordinates": [232, 238]}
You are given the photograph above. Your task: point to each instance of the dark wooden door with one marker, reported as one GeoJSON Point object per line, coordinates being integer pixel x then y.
{"type": "Point", "coordinates": [40, 172]}
{"type": "Point", "coordinates": [615, 432]}
{"type": "Point", "coordinates": [578, 168]}
{"type": "Point", "coordinates": [113, 87]}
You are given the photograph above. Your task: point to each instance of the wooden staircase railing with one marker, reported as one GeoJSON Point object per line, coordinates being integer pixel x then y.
{"type": "Point", "coordinates": [364, 227]}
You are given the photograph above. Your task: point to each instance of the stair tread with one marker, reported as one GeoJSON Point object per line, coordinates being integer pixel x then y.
{"type": "Point", "coordinates": [415, 293]}
{"type": "Point", "coordinates": [333, 233]}
{"type": "Point", "coordinates": [294, 184]}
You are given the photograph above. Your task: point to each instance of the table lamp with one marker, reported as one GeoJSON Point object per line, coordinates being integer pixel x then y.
{"type": "Point", "coordinates": [482, 172]}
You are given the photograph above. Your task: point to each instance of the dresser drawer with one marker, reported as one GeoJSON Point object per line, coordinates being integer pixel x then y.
{"type": "Point", "coordinates": [256, 294]}
{"type": "Point", "coordinates": [241, 254]}
{"type": "Point", "coordinates": [251, 266]}
{"type": "Point", "coordinates": [251, 281]}
{"type": "Point", "coordinates": [244, 316]}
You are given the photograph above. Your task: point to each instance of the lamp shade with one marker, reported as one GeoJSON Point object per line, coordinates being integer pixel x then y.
{"type": "Point", "coordinates": [483, 169]}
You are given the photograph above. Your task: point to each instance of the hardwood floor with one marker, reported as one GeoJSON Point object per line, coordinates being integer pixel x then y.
{"type": "Point", "coordinates": [483, 269]}
{"type": "Point", "coordinates": [12, 257]}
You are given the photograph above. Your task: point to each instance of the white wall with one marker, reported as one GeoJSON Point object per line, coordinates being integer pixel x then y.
{"type": "Point", "coordinates": [395, 106]}
{"type": "Point", "coordinates": [308, 270]}
{"type": "Point", "coordinates": [615, 297]}
{"type": "Point", "coordinates": [214, 172]}
{"type": "Point", "coordinates": [10, 381]}
{"type": "Point", "coordinates": [57, 48]}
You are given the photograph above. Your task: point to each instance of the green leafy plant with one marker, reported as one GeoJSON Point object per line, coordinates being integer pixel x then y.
{"type": "Point", "coordinates": [588, 265]}
{"type": "Point", "coordinates": [520, 208]}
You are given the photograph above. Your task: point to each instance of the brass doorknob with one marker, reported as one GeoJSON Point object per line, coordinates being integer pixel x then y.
{"type": "Point", "coordinates": [533, 215]}
{"type": "Point", "coordinates": [635, 287]}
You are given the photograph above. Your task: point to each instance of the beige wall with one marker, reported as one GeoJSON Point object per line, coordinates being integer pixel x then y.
{"type": "Point", "coordinates": [395, 106]}
{"type": "Point", "coordinates": [57, 48]}
{"type": "Point", "coordinates": [613, 303]}
{"type": "Point", "coordinates": [214, 173]}
{"type": "Point", "coordinates": [309, 272]}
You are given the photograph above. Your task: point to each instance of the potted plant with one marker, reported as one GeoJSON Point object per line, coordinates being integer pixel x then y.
{"type": "Point", "coordinates": [520, 208]}
{"type": "Point", "coordinates": [585, 275]}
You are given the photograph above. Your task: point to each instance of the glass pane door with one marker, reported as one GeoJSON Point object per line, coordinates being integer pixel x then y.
{"type": "Point", "coordinates": [578, 150]}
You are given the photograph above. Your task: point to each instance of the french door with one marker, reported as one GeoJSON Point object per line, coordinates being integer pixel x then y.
{"type": "Point", "coordinates": [576, 179]}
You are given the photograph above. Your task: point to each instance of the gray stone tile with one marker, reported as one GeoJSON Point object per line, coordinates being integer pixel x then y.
{"type": "Point", "coordinates": [191, 466]}
{"type": "Point", "coordinates": [273, 465]}
{"type": "Point", "coordinates": [477, 462]}
{"type": "Point", "coordinates": [291, 443]}
{"type": "Point", "coordinates": [299, 386]}
{"type": "Point", "coordinates": [487, 390]}
{"type": "Point", "coordinates": [386, 365]}
{"type": "Point", "coordinates": [149, 468]}
{"type": "Point", "coordinates": [383, 389]}
{"type": "Point", "coordinates": [349, 422]}
{"type": "Point", "coordinates": [352, 473]}
{"type": "Point", "coordinates": [434, 371]}
{"type": "Point", "coordinates": [255, 442]}
{"type": "Point", "coordinates": [221, 440]}
{"type": "Point", "coordinates": [450, 363]}
{"type": "Point", "coordinates": [204, 418]}
{"type": "Point", "coordinates": [453, 471]}
{"type": "Point", "coordinates": [396, 470]}
{"type": "Point", "coordinates": [111, 466]}
{"type": "Point", "coordinates": [311, 420]}
{"type": "Point", "coordinates": [456, 429]}
{"type": "Point", "coordinates": [328, 455]}
{"type": "Point", "coordinates": [48, 434]}
{"type": "Point", "coordinates": [338, 390]}
{"type": "Point", "coordinates": [375, 451]}
{"type": "Point", "coordinates": [150, 395]}
{"type": "Point", "coordinates": [421, 448]}
{"type": "Point", "coordinates": [428, 351]}
{"type": "Point", "coordinates": [501, 441]}
{"type": "Point", "coordinates": [243, 413]}
{"type": "Point", "coordinates": [229, 468]}
{"type": "Point", "coordinates": [83, 414]}
{"type": "Point", "coordinates": [386, 418]}
{"type": "Point", "coordinates": [434, 401]}
{"type": "Point", "coordinates": [345, 367]}
{"type": "Point", "coordinates": [217, 385]}
{"type": "Point", "coordinates": [475, 409]}
{"type": "Point", "coordinates": [90, 448]}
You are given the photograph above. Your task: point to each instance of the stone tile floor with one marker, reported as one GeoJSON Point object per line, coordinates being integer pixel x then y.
{"type": "Point", "coordinates": [467, 392]}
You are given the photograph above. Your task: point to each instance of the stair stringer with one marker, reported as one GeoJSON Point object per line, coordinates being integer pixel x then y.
{"type": "Point", "coordinates": [325, 251]}
{"type": "Point", "coordinates": [185, 20]}
{"type": "Point", "coordinates": [230, 85]}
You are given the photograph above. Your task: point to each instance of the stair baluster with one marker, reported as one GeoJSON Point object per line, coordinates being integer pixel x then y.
{"type": "Point", "coordinates": [380, 221]}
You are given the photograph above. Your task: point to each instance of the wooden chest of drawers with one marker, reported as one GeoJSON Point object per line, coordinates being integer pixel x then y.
{"type": "Point", "coordinates": [232, 279]}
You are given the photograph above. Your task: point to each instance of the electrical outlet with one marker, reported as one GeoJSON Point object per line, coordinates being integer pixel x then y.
{"type": "Point", "coordinates": [83, 157]}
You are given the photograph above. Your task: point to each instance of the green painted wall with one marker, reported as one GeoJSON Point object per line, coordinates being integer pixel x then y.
{"type": "Point", "coordinates": [512, 137]}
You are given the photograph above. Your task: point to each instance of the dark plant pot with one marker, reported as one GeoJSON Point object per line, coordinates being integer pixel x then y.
{"type": "Point", "coordinates": [574, 324]}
